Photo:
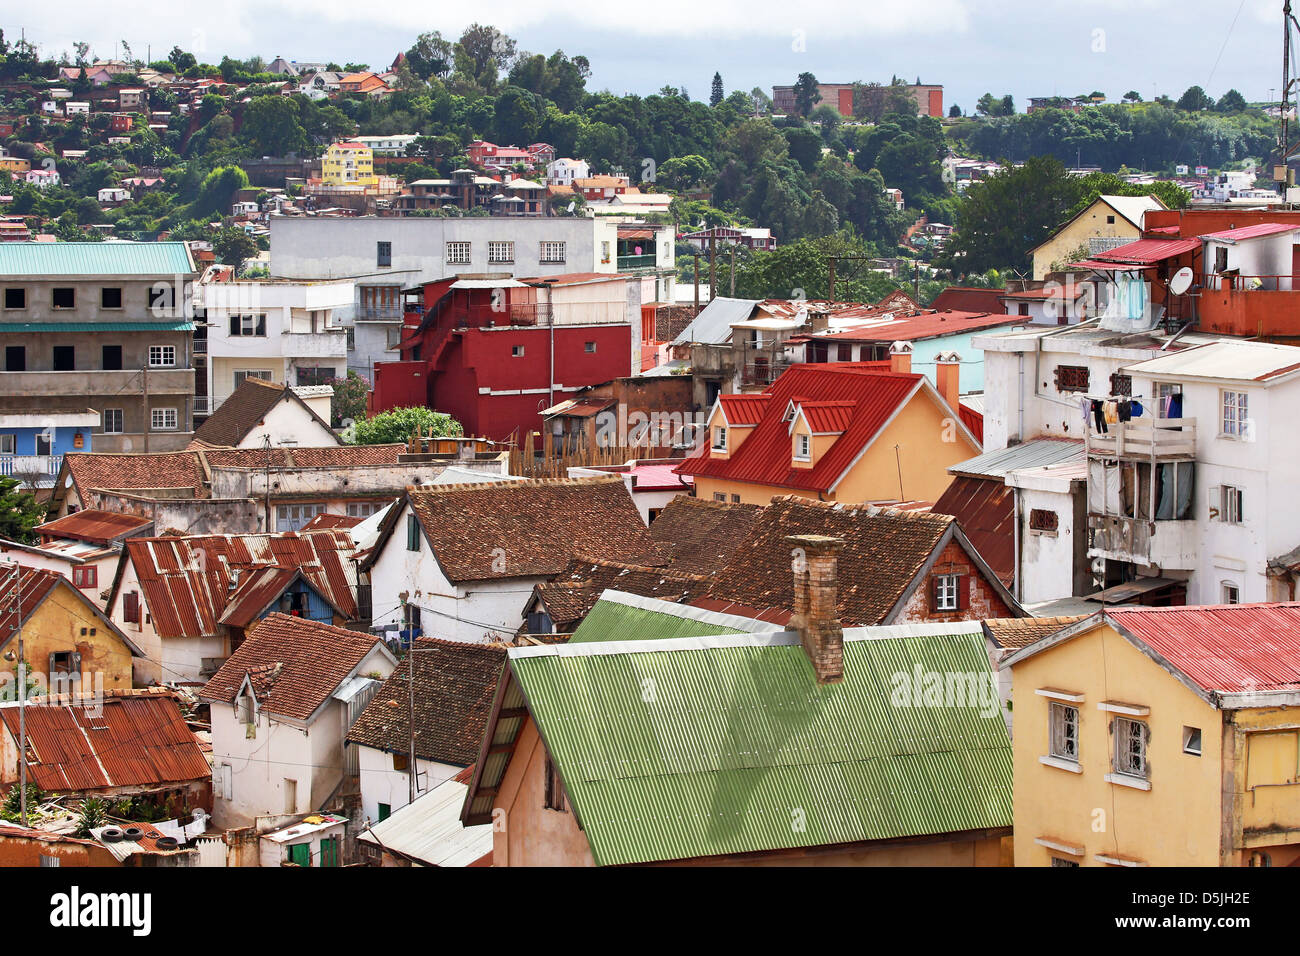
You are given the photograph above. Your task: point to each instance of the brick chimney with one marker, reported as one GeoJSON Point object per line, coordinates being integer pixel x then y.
{"type": "Point", "coordinates": [816, 610]}
{"type": "Point", "coordinates": [900, 357]}
{"type": "Point", "coordinates": [947, 378]}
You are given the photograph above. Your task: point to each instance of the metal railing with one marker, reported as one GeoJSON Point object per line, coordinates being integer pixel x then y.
{"type": "Point", "coordinates": [636, 262]}
{"type": "Point", "coordinates": [30, 466]}
{"type": "Point", "coordinates": [1236, 282]}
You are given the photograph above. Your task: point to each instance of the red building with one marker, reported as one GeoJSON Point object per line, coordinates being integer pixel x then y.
{"type": "Point", "coordinates": [493, 352]}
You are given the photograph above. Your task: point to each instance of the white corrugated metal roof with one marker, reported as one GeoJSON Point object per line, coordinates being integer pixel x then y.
{"type": "Point", "coordinates": [502, 283]}
{"type": "Point", "coordinates": [429, 830]}
{"type": "Point", "coordinates": [1236, 360]}
{"type": "Point", "coordinates": [1034, 453]}
{"type": "Point", "coordinates": [1132, 207]}
{"type": "Point", "coordinates": [713, 325]}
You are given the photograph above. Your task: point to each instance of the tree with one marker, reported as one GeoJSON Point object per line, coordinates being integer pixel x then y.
{"type": "Point", "coordinates": [806, 94]}
{"type": "Point", "coordinates": [430, 55]}
{"type": "Point", "coordinates": [804, 146]}
{"type": "Point", "coordinates": [349, 399]}
{"type": "Point", "coordinates": [1008, 106]}
{"type": "Point", "coordinates": [233, 245]}
{"type": "Point", "coordinates": [1230, 102]}
{"type": "Point", "coordinates": [1195, 99]}
{"type": "Point", "coordinates": [482, 53]}
{"type": "Point", "coordinates": [400, 424]}
{"type": "Point", "coordinates": [827, 118]}
{"type": "Point", "coordinates": [184, 61]}
{"type": "Point", "coordinates": [954, 111]}
{"type": "Point", "coordinates": [869, 101]}
{"type": "Point", "coordinates": [19, 512]}
{"type": "Point", "coordinates": [716, 94]}
{"type": "Point", "coordinates": [1132, 96]}
{"type": "Point", "coordinates": [271, 126]}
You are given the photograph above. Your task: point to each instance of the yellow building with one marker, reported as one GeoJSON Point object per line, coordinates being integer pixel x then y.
{"type": "Point", "coordinates": [833, 433]}
{"type": "Point", "coordinates": [64, 635]}
{"type": "Point", "coordinates": [348, 164]}
{"type": "Point", "coordinates": [1110, 221]}
{"type": "Point", "coordinates": [1160, 737]}
{"type": "Point", "coordinates": [15, 165]}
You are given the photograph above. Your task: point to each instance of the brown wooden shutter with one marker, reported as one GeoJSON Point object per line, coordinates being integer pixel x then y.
{"type": "Point", "coordinates": [963, 592]}
{"type": "Point", "coordinates": [934, 593]}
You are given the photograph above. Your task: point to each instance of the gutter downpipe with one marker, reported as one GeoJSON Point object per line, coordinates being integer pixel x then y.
{"type": "Point", "coordinates": [1015, 529]}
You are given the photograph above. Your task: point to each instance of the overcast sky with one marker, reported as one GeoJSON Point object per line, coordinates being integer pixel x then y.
{"type": "Point", "coordinates": [1023, 47]}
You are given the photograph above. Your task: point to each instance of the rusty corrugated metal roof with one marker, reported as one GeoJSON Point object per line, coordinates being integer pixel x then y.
{"type": "Point", "coordinates": [983, 509]}
{"type": "Point", "coordinates": [121, 742]}
{"type": "Point", "coordinates": [93, 525]}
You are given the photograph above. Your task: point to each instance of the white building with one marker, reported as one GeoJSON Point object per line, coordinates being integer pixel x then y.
{"type": "Point", "coordinates": [384, 257]}
{"type": "Point", "coordinates": [278, 331]}
{"type": "Point", "coordinates": [43, 178]}
{"type": "Point", "coordinates": [563, 171]}
{"type": "Point", "coordinates": [314, 842]}
{"type": "Point", "coordinates": [392, 145]}
{"type": "Point", "coordinates": [281, 707]}
{"type": "Point", "coordinates": [261, 413]}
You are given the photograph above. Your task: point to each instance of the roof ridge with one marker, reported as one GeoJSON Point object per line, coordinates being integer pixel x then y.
{"type": "Point", "coordinates": [516, 485]}
{"type": "Point", "coordinates": [610, 563]}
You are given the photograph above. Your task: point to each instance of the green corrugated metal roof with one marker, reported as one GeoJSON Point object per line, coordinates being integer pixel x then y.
{"type": "Point", "coordinates": [174, 326]}
{"type": "Point", "coordinates": [95, 258]}
{"type": "Point", "coordinates": [704, 747]}
{"type": "Point", "coordinates": [613, 621]}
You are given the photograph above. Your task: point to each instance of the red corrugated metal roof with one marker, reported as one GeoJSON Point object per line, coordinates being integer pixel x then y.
{"type": "Point", "coordinates": [744, 409]}
{"type": "Point", "coordinates": [983, 509]}
{"type": "Point", "coordinates": [130, 742]}
{"type": "Point", "coordinates": [827, 417]}
{"type": "Point", "coordinates": [765, 457]}
{"type": "Point", "coordinates": [973, 420]}
{"type": "Point", "coordinates": [34, 584]}
{"type": "Point", "coordinates": [967, 299]}
{"type": "Point", "coordinates": [1146, 251]}
{"type": "Point", "coordinates": [1251, 232]}
{"type": "Point", "coordinates": [1230, 648]}
{"type": "Point", "coordinates": [186, 581]}
{"type": "Point", "coordinates": [926, 325]}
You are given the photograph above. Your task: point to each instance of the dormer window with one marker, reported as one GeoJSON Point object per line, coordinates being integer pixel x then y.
{"type": "Point", "coordinates": [803, 447]}
{"type": "Point", "coordinates": [720, 438]}
{"type": "Point", "coordinates": [789, 413]}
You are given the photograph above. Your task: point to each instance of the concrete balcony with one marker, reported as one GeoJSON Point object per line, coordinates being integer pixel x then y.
{"type": "Point", "coordinates": [34, 471]}
{"type": "Point", "coordinates": [1168, 545]}
{"type": "Point", "coordinates": [332, 343]}
{"type": "Point", "coordinates": [633, 263]}
{"type": "Point", "coordinates": [162, 381]}
{"type": "Point", "coordinates": [1145, 439]}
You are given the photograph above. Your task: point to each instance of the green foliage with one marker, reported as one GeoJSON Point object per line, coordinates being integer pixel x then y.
{"type": "Point", "coordinates": [806, 95]}
{"type": "Point", "coordinates": [92, 815]}
{"type": "Point", "coordinates": [349, 399]}
{"type": "Point", "coordinates": [232, 245]}
{"type": "Point", "coordinates": [11, 809]}
{"type": "Point", "coordinates": [399, 424]}
{"type": "Point", "coordinates": [19, 512]}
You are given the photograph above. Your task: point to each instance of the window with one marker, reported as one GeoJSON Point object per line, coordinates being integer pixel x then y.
{"type": "Point", "coordinates": [1192, 741]}
{"type": "Point", "coordinates": [383, 253]}
{"type": "Point", "coordinates": [516, 351]}
{"type": "Point", "coordinates": [352, 338]}
{"type": "Point", "coordinates": [1061, 861]}
{"type": "Point", "coordinates": [7, 444]}
{"type": "Point", "coordinates": [802, 447]}
{"type": "Point", "coordinates": [65, 358]}
{"type": "Point", "coordinates": [1043, 520]}
{"type": "Point", "coordinates": [1121, 384]}
{"type": "Point", "coordinates": [162, 419]}
{"type": "Point", "coordinates": [1220, 258]}
{"type": "Point", "coordinates": [412, 533]}
{"type": "Point", "coordinates": [1230, 504]}
{"type": "Point", "coordinates": [315, 375]}
{"type": "Point", "coordinates": [1130, 747]}
{"type": "Point", "coordinates": [293, 517]}
{"type": "Point", "coordinates": [111, 358]}
{"type": "Point", "coordinates": [245, 710]}
{"type": "Point", "coordinates": [50, 860]}
{"type": "Point", "coordinates": [364, 509]}
{"type": "Point", "coordinates": [131, 607]}
{"type": "Point", "coordinates": [720, 438]}
{"type": "Point", "coordinates": [1071, 378]}
{"type": "Point", "coordinates": [385, 811]}
{"type": "Point", "coordinates": [63, 298]}
{"type": "Point", "coordinates": [1022, 308]}
{"type": "Point", "coordinates": [86, 577]}
{"type": "Point", "coordinates": [243, 373]}
{"type": "Point", "coordinates": [1235, 422]}
{"type": "Point", "coordinates": [604, 253]}
{"type": "Point", "coordinates": [501, 252]}
{"type": "Point", "coordinates": [1110, 220]}
{"type": "Point", "coordinates": [1231, 593]}
{"type": "Point", "coordinates": [1064, 731]}
{"type": "Point", "coordinates": [554, 787]}
{"type": "Point", "coordinates": [243, 325]}
{"type": "Point", "coordinates": [589, 348]}
{"type": "Point", "coordinates": [947, 592]}
{"type": "Point", "coordinates": [458, 253]}
{"type": "Point", "coordinates": [15, 298]}
{"type": "Point", "coordinates": [1169, 400]}
{"type": "Point", "coordinates": [110, 297]}
{"type": "Point", "coordinates": [401, 761]}
{"type": "Point", "coordinates": [735, 499]}
{"type": "Point", "coordinates": [113, 421]}
{"type": "Point", "coordinates": [162, 356]}
{"type": "Point", "coordinates": [552, 252]}
{"type": "Point", "coordinates": [719, 496]}
{"type": "Point", "coordinates": [15, 358]}
{"type": "Point", "coordinates": [44, 444]}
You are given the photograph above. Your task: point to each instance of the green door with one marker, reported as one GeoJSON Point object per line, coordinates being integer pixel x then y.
{"type": "Point", "coordinates": [329, 852]}
{"type": "Point", "coordinates": [300, 853]}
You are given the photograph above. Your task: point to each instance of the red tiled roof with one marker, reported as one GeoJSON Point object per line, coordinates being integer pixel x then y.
{"type": "Point", "coordinates": [186, 581]}
{"type": "Point", "coordinates": [92, 525]}
{"type": "Point", "coordinates": [455, 683]}
{"type": "Point", "coordinates": [742, 409]}
{"type": "Point", "coordinates": [700, 535]}
{"type": "Point", "coordinates": [132, 742]}
{"type": "Point", "coordinates": [1023, 631]}
{"type": "Point", "coordinates": [1251, 232]}
{"type": "Point", "coordinates": [572, 595]}
{"type": "Point", "coordinates": [295, 664]}
{"type": "Point", "coordinates": [765, 456]}
{"type": "Point", "coordinates": [983, 508]}
{"type": "Point", "coordinates": [1229, 648]}
{"type": "Point", "coordinates": [528, 528]}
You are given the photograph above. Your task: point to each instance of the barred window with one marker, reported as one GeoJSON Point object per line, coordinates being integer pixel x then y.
{"type": "Point", "coordinates": [1064, 743]}
{"type": "Point", "coordinates": [1071, 378]}
{"type": "Point", "coordinates": [1041, 519]}
{"type": "Point", "coordinates": [501, 252]}
{"type": "Point", "coordinates": [1130, 747]}
{"type": "Point", "coordinates": [552, 252]}
{"type": "Point", "coordinates": [458, 253]}
{"type": "Point", "coordinates": [1121, 384]}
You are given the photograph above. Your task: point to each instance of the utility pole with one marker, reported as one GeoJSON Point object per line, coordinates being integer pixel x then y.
{"type": "Point", "coordinates": [22, 695]}
{"type": "Point", "coordinates": [832, 289]}
{"type": "Point", "coordinates": [733, 270]}
{"type": "Point", "coordinates": [144, 402]}
{"type": "Point", "coordinates": [713, 279]}
{"type": "Point", "coordinates": [697, 283]}
{"type": "Point", "coordinates": [410, 719]}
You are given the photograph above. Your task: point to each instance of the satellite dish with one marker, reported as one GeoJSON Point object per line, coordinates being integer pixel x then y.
{"type": "Point", "coordinates": [1182, 281]}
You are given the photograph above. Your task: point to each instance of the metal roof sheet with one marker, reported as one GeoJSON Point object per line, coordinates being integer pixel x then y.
{"type": "Point", "coordinates": [93, 525]}
{"type": "Point", "coordinates": [430, 831]}
{"type": "Point", "coordinates": [95, 258]}
{"type": "Point", "coordinates": [984, 509]}
{"type": "Point", "coordinates": [713, 324]}
{"type": "Point", "coordinates": [1257, 231]}
{"type": "Point", "coordinates": [740, 735]}
{"type": "Point", "coordinates": [1028, 454]}
{"type": "Point", "coordinates": [1146, 251]}
{"type": "Point", "coordinates": [1235, 359]}
{"type": "Point", "coordinates": [177, 326]}
{"type": "Point", "coordinates": [627, 617]}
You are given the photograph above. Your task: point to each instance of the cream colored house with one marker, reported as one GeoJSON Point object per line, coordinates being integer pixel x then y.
{"type": "Point", "coordinates": [1109, 222]}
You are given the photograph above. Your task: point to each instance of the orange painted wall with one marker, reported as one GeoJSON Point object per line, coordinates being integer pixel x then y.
{"type": "Point", "coordinates": [529, 834]}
